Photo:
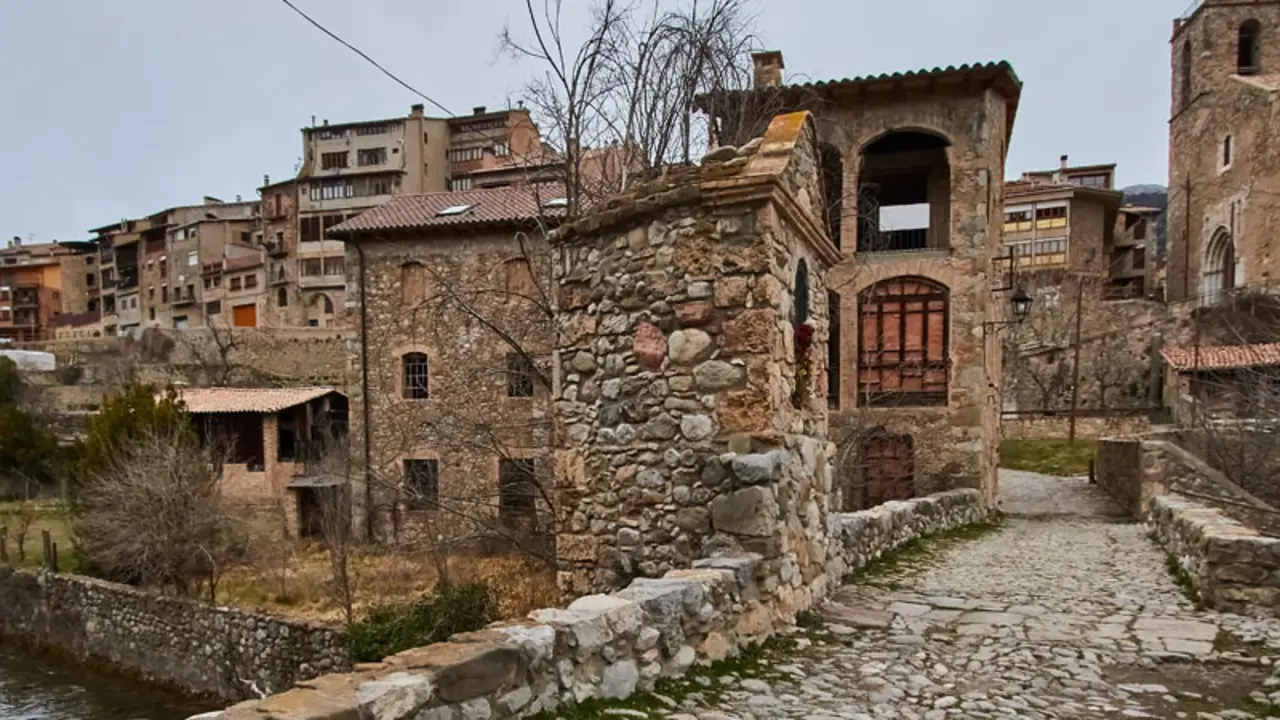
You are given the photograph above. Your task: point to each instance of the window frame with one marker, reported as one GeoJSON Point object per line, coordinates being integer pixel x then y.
{"type": "Point", "coordinates": [517, 489]}
{"type": "Point", "coordinates": [873, 301]}
{"type": "Point", "coordinates": [520, 375]}
{"type": "Point", "coordinates": [415, 376]}
{"type": "Point", "coordinates": [421, 483]}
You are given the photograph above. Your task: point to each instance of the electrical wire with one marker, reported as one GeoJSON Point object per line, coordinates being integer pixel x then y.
{"type": "Point", "coordinates": [371, 61]}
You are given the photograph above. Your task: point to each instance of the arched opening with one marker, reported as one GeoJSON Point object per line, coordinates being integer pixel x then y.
{"type": "Point", "coordinates": [903, 343]}
{"type": "Point", "coordinates": [1249, 48]}
{"type": "Point", "coordinates": [832, 188]}
{"type": "Point", "coordinates": [320, 311]}
{"type": "Point", "coordinates": [886, 468]}
{"type": "Point", "coordinates": [1184, 75]}
{"type": "Point", "coordinates": [413, 282]}
{"type": "Point", "coordinates": [802, 293]}
{"type": "Point", "coordinates": [1219, 268]}
{"type": "Point", "coordinates": [904, 193]}
{"type": "Point", "coordinates": [282, 297]}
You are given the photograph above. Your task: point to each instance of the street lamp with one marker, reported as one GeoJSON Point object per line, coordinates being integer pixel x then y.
{"type": "Point", "coordinates": [1020, 305]}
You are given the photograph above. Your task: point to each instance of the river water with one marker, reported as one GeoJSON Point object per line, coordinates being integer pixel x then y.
{"type": "Point", "coordinates": [33, 688]}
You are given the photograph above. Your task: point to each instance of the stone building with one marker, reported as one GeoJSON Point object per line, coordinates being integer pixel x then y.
{"type": "Point", "coordinates": [40, 285]}
{"type": "Point", "coordinates": [914, 164]}
{"type": "Point", "coordinates": [450, 337]}
{"type": "Point", "coordinates": [690, 372]}
{"type": "Point", "coordinates": [1224, 157]}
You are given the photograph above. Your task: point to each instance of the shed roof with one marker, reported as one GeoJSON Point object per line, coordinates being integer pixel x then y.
{"type": "Point", "coordinates": [264, 401]}
{"type": "Point", "coordinates": [1222, 357]}
{"type": "Point", "coordinates": [481, 207]}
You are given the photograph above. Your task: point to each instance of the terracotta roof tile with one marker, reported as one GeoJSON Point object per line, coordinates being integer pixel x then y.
{"type": "Point", "coordinates": [484, 206]}
{"type": "Point", "coordinates": [1002, 67]}
{"type": "Point", "coordinates": [248, 400]}
{"type": "Point", "coordinates": [1222, 357]}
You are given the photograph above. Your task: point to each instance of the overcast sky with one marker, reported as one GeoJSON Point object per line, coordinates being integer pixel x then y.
{"type": "Point", "coordinates": [120, 108]}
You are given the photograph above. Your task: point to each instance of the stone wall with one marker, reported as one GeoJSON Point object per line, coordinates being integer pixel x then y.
{"type": "Point", "coordinates": [186, 644]}
{"type": "Point", "coordinates": [692, 421]}
{"type": "Point", "coordinates": [1233, 567]}
{"type": "Point", "coordinates": [1056, 426]}
{"type": "Point", "coordinates": [600, 646]}
{"type": "Point", "coordinates": [858, 538]}
{"type": "Point", "coordinates": [1118, 470]}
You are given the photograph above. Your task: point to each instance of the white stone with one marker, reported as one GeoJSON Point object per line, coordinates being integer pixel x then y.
{"type": "Point", "coordinates": [619, 680]}
{"type": "Point", "coordinates": [696, 427]}
{"type": "Point", "coordinates": [398, 696]}
{"type": "Point", "coordinates": [689, 346]}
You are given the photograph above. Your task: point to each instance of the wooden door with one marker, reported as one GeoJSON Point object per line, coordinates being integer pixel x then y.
{"type": "Point", "coordinates": [244, 316]}
{"type": "Point", "coordinates": [888, 469]}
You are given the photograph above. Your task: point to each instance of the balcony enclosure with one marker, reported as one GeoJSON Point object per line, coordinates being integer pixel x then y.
{"type": "Point", "coordinates": [904, 193]}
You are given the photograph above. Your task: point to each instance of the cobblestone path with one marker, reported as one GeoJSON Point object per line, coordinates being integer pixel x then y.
{"type": "Point", "coordinates": [1066, 611]}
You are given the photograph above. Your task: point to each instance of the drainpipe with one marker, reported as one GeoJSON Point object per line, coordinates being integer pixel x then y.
{"type": "Point", "coordinates": [364, 390]}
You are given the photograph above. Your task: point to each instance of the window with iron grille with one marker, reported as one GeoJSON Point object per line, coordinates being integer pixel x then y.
{"type": "Point", "coordinates": [422, 484]}
{"type": "Point", "coordinates": [516, 489]}
{"type": "Point", "coordinates": [903, 356]}
{"type": "Point", "coordinates": [371, 156]}
{"type": "Point", "coordinates": [416, 376]}
{"type": "Point", "coordinates": [329, 161]}
{"type": "Point", "coordinates": [519, 376]}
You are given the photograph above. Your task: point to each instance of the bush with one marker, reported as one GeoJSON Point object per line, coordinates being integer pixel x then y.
{"type": "Point", "coordinates": [448, 609]}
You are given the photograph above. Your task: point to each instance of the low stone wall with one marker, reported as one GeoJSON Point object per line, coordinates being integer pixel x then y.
{"type": "Point", "coordinates": [1119, 471]}
{"type": "Point", "coordinates": [601, 646]}
{"type": "Point", "coordinates": [1057, 426]}
{"type": "Point", "coordinates": [182, 643]}
{"type": "Point", "coordinates": [1233, 567]}
{"type": "Point", "coordinates": [860, 537]}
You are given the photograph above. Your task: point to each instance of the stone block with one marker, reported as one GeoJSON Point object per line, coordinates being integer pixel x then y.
{"type": "Point", "coordinates": [752, 331]}
{"type": "Point", "coordinates": [537, 642]}
{"type": "Point", "coordinates": [625, 617]}
{"type": "Point", "coordinates": [694, 313]}
{"type": "Point", "coordinates": [398, 696]}
{"type": "Point", "coordinates": [759, 468]}
{"type": "Point", "coordinates": [619, 680]}
{"type": "Point", "coordinates": [745, 411]}
{"type": "Point", "coordinates": [486, 672]}
{"type": "Point", "coordinates": [649, 346]}
{"type": "Point", "coordinates": [751, 511]}
{"type": "Point", "coordinates": [588, 629]}
{"type": "Point", "coordinates": [689, 346]}
{"type": "Point", "coordinates": [715, 375]}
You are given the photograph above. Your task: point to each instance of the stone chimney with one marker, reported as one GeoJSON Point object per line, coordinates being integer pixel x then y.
{"type": "Point", "coordinates": [416, 110]}
{"type": "Point", "coordinates": [768, 68]}
{"type": "Point", "coordinates": [478, 110]}
{"type": "Point", "coordinates": [1062, 162]}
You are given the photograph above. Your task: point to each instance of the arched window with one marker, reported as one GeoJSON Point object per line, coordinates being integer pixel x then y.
{"type": "Point", "coordinates": [319, 311]}
{"type": "Point", "coordinates": [832, 188]}
{"type": "Point", "coordinates": [802, 293]}
{"type": "Point", "coordinates": [282, 297]}
{"type": "Point", "coordinates": [903, 338]}
{"type": "Point", "coordinates": [904, 193]}
{"type": "Point", "coordinates": [1184, 74]}
{"type": "Point", "coordinates": [416, 377]}
{"type": "Point", "coordinates": [1219, 268]}
{"type": "Point", "coordinates": [413, 281]}
{"type": "Point", "coordinates": [328, 305]}
{"type": "Point", "coordinates": [1249, 48]}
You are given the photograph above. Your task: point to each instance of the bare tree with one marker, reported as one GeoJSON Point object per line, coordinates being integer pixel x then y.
{"type": "Point", "coordinates": [154, 515]}
{"type": "Point", "coordinates": [19, 521]}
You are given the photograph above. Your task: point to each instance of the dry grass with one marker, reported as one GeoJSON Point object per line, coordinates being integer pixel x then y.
{"type": "Point", "coordinates": [51, 516]}
{"type": "Point", "coordinates": [295, 581]}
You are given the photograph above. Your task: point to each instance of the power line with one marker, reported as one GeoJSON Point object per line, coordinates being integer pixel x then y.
{"type": "Point", "coordinates": [371, 61]}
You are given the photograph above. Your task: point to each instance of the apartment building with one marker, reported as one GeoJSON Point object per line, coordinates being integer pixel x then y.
{"type": "Point", "coordinates": [40, 284]}
{"type": "Point", "coordinates": [1062, 223]}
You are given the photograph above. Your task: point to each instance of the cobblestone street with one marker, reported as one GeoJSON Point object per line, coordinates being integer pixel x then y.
{"type": "Point", "coordinates": [1067, 611]}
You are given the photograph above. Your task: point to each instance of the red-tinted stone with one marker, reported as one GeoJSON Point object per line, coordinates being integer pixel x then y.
{"type": "Point", "coordinates": [650, 346]}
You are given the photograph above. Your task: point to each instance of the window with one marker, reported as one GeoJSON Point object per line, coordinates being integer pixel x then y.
{"type": "Point", "coordinates": [1139, 258]}
{"type": "Point", "coordinates": [380, 129]}
{"type": "Point", "coordinates": [462, 183]}
{"type": "Point", "coordinates": [333, 266]}
{"type": "Point", "coordinates": [1140, 229]}
{"type": "Point", "coordinates": [516, 489]}
{"type": "Point", "coordinates": [327, 305]}
{"type": "Point", "coordinates": [191, 292]}
{"type": "Point", "coordinates": [310, 229]}
{"type": "Point", "coordinates": [151, 313]}
{"type": "Point", "coordinates": [151, 293]}
{"type": "Point", "coordinates": [519, 375]}
{"type": "Point", "coordinates": [332, 190]}
{"type": "Point", "coordinates": [422, 484]}
{"type": "Point", "coordinates": [250, 281]}
{"type": "Point", "coordinates": [371, 156]}
{"type": "Point", "coordinates": [1051, 217]}
{"type": "Point", "coordinates": [413, 281]}
{"type": "Point", "coordinates": [282, 298]}
{"type": "Point", "coordinates": [164, 293]}
{"type": "Point", "coordinates": [454, 210]}
{"type": "Point", "coordinates": [333, 160]}
{"type": "Point", "coordinates": [903, 355]}
{"type": "Point", "coordinates": [1226, 152]}
{"type": "Point", "coordinates": [235, 283]}
{"type": "Point", "coordinates": [164, 267]}
{"type": "Point", "coordinates": [502, 149]}
{"type": "Point", "coordinates": [180, 322]}
{"type": "Point", "coordinates": [1249, 48]}
{"type": "Point", "coordinates": [193, 258]}
{"type": "Point", "coordinates": [1184, 68]}
{"type": "Point", "coordinates": [89, 260]}
{"type": "Point", "coordinates": [802, 293]}
{"type": "Point", "coordinates": [466, 154]}
{"type": "Point", "coordinates": [833, 350]}
{"type": "Point", "coordinates": [416, 377]}
{"type": "Point", "coordinates": [327, 134]}
{"type": "Point", "coordinates": [312, 267]}
{"type": "Point", "coordinates": [1091, 181]}
{"type": "Point", "coordinates": [213, 308]}
{"type": "Point", "coordinates": [378, 186]}
{"type": "Point", "coordinates": [1017, 220]}
{"type": "Point", "coordinates": [90, 279]}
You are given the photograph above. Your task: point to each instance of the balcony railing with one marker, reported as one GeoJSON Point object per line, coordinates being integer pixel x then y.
{"type": "Point", "coordinates": [895, 241]}
{"type": "Point", "coordinates": [26, 298]}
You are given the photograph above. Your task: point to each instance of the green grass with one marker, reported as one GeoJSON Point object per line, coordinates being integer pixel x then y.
{"type": "Point", "coordinates": [51, 516]}
{"type": "Point", "coordinates": [1048, 456]}
{"type": "Point", "coordinates": [882, 571]}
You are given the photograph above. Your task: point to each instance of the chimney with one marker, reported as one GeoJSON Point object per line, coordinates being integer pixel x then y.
{"type": "Point", "coordinates": [768, 68]}
{"type": "Point", "coordinates": [416, 110]}
{"type": "Point", "coordinates": [238, 199]}
{"type": "Point", "coordinates": [266, 180]}
{"type": "Point", "coordinates": [15, 242]}
{"type": "Point", "coordinates": [1062, 162]}
{"type": "Point", "coordinates": [326, 122]}
{"type": "Point", "coordinates": [478, 110]}
{"type": "Point", "coordinates": [313, 121]}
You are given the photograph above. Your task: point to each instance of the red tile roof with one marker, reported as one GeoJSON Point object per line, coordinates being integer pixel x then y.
{"type": "Point", "coordinates": [512, 205]}
{"type": "Point", "coordinates": [248, 400]}
{"type": "Point", "coordinates": [1221, 357]}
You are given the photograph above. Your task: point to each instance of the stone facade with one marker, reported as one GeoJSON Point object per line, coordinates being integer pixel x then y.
{"type": "Point", "coordinates": [1233, 567]}
{"type": "Point", "coordinates": [1224, 158]}
{"type": "Point", "coordinates": [468, 299]}
{"type": "Point", "coordinates": [600, 646]}
{"type": "Point", "coordinates": [692, 418]}
{"type": "Point", "coordinates": [199, 648]}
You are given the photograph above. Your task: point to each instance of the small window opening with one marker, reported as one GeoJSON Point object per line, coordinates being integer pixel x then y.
{"type": "Point", "coordinates": [904, 194]}
{"type": "Point", "coordinates": [1249, 48]}
{"type": "Point", "coordinates": [416, 376]}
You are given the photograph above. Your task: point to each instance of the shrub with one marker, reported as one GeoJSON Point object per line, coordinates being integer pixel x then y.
{"type": "Point", "coordinates": [449, 609]}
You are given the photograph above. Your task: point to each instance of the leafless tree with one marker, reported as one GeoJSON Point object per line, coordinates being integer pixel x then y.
{"type": "Point", "coordinates": [622, 102]}
{"type": "Point", "coordinates": [155, 515]}
{"type": "Point", "coordinates": [19, 521]}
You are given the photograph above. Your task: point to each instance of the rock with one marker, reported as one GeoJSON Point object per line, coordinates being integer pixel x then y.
{"type": "Point", "coordinates": [720, 154]}
{"type": "Point", "coordinates": [693, 520]}
{"type": "Point", "coordinates": [515, 700]}
{"type": "Point", "coordinates": [751, 511]}
{"type": "Point", "coordinates": [398, 696]}
{"type": "Point", "coordinates": [689, 346]}
{"type": "Point", "coordinates": [662, 427]}
{"type": "Point", "coordinates": [649, 346]}
{"type": "Point", "coordinates": [716, 375]}
{"type": "Point", "coordinates": [619, 680]}
{"type": "Point", "coordinates": [583, 362]}
{"type": "Point", "coordinates": [477, 709]}
{"type": "Point", "coordinates": [696, 427]}
{"type": "Point", "coordinates": [647, 638]}
{"type": "Point", "coordinates": [759, 468]}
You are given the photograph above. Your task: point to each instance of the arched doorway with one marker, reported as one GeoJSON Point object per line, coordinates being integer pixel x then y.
{"type": "Point", "coordinates": [1219, 268]}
